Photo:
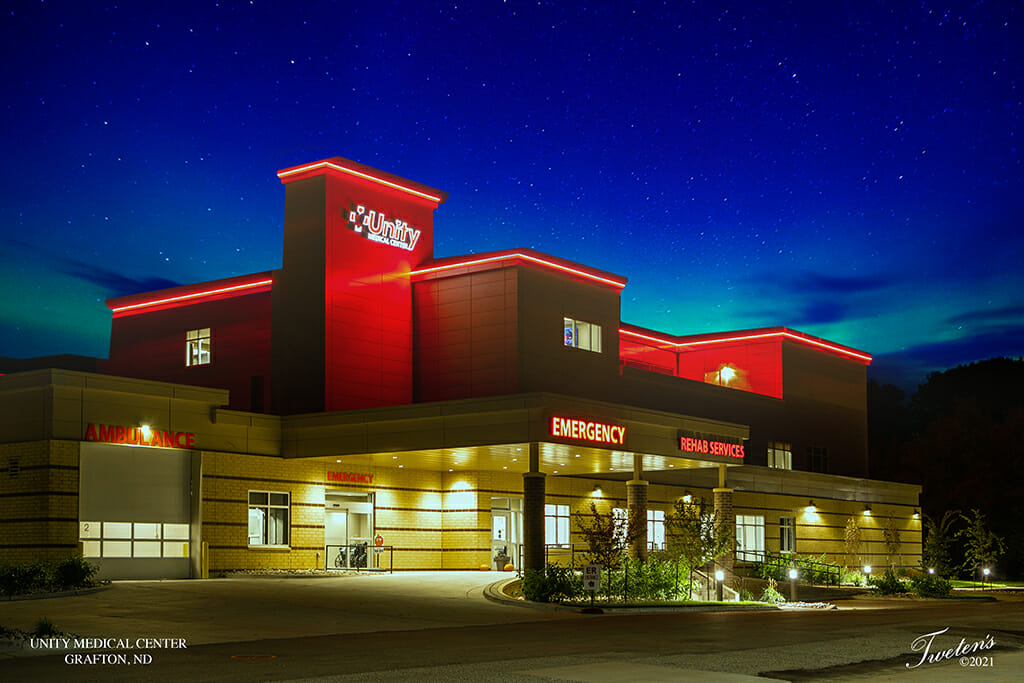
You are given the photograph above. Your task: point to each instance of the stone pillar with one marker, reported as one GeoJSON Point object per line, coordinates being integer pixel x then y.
{"type": "Point", "coordinates": [533, 512]}
{"type": "Point", "coordinates": [636, 503]}
{"type": "Point", "coordinates": [725, 514]}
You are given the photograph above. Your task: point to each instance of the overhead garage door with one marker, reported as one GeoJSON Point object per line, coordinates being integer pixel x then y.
{"type": "Point", "coordinates": [134, 510]}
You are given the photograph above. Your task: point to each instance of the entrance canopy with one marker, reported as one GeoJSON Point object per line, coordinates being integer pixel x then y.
{"type": "Point", "coordinates": [575, 436]}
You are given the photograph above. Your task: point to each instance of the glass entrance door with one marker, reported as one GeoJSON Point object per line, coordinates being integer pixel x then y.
{"type": "Point", "coordinates": [348, 530]}
{"type": "Point", "coordinates": [506, 531]}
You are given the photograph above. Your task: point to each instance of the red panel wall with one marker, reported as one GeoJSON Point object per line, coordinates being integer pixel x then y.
{"type": "Point", "coordinates": [151, 345]}
{"type": "Point", "coordinates": [754, 365]}
{"type": "Point", "coordinates": [466, 335]}
{"type": "Point", "coordinates": [368, 295]}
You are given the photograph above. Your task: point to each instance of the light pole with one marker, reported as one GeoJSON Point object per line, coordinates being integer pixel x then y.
{"type": "Point", "coordinates": [792, 584]}
{"type": "Point", "coordinates": [984, 575]}
{"type": "Point", "coordinates": [719, 580]}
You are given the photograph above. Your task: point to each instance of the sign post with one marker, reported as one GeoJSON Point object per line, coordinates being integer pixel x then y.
{"type": "Point", "coordinates": [592, 580]}
{"type": "Point", "coordinates": [378, 541]}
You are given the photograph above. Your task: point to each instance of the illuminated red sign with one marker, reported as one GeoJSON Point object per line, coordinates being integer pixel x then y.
{"type": "Point", "coordinates": [375, 226]}
{"type": "Point", "coordinates": [139, 436]}
{"type": "Point", "coordinates": [350, 476]}
{"type": "Point", "coordinates": [708, 447]}
{"type": "Point", "coordinates": [598, 432]}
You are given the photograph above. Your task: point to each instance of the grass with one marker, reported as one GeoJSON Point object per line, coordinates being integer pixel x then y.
{"type": "Point", "coordinates": [957, 583]}
{"type": "Point", "coordinates": [660, 603]}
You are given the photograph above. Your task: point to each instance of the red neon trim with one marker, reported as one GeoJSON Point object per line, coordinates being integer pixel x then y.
{"type": "Point", "coordinates": [196, 295]}
{"type": "Point", "coordinates": [525, 257]}
{"type": "Point", "coordinates": [360, 174]}
{"type": "Point", "coordinates": [796, 337]}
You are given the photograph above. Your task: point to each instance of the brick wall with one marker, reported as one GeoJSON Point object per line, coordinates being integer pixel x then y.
{"type": "Point", "coordinates": [38, 500]}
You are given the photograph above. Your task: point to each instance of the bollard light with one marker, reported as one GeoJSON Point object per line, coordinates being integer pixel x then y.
{"type": "Point", "coordinates": [719, 579]}
{"type": "Point", "coordinates": [719, 575]}
{"type": "Point", "coordinates": [867, 569]}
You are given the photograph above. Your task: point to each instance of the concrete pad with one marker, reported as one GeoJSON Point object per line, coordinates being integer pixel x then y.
{"type": "Point", "coordinates": [628, 672]}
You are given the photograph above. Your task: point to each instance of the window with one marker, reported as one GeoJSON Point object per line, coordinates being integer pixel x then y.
{"type": "Point", "coordinates": [556, 524]}
{"type": "Point", "coordinates": [197, 347]}
{"type": "Point", "coordinates": [656, 529]}
{"type": "Point", "coordinates": [582, 335]}
{"type": "Point", "coordinates": [787, 534]}
{"type": "Point", "coordinates": [268, 518]}
{"type": "Point", "coordinates": [780, 455]}
{"type": "Point", "coordinates": [133, 539]}
{"type": "Point", "coordinates": [749, 538]}
{"type": "Point", "coordinates": [817, 459]}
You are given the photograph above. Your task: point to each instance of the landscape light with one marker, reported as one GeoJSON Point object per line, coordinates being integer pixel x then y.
{"type": "Point", "coordinates": [792, 573]}
{"type": "Point", "coordinates": [867, 569]}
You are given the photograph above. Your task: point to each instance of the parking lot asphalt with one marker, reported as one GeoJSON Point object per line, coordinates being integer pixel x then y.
{"type": "Point", "coordinates": [438, 626]}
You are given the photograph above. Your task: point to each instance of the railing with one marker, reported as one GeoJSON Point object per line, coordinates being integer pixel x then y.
{"type": "Point", "coordinates": [358, 556]}
{"type": "Point", "coordinates": [569, 554]}
{"type": "Point", "coordinates": [778, 565]}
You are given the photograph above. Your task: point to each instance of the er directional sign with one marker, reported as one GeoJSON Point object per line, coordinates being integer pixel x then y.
{"type": "Point", "coordinates": [592, 577]}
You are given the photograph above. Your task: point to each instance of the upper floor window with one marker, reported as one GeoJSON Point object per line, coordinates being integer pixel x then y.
{"type": "Point", "coordinates": [197, 347]}
{"type": "Point", "coordinates": [817, 459]}
{"type": "Point", "coordinates": [780, 455]}
{"type": "Point", "coordinates": [580, 334]}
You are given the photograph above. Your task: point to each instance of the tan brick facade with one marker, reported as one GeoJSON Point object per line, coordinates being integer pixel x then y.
{"type": "Point", "coordinates": [38, 499]}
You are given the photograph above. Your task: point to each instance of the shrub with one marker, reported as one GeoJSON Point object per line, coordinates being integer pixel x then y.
{"type": "Point", "coordinates": [930, 586]}
{"type": "Point", "coordinates": [551, 584]}
{"type": "Point", "coordinates": [53, 575]}
{"type": "Point", "coordinates": [771, 593]}
{"type": "Point", "coordinates": [44, 627]}
{"type": "Point", "coordinates": [654, 579]}
{"type": "Point", "coordinates": [72, 572]}
{"type": "Point", "coordinates": [889, 584]}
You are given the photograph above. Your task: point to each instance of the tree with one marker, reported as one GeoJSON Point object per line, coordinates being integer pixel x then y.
{"type": "Point", "coordinates": [937, 551]}
{"type": "Point", "coordinates": [608, 535]}
{"type": "Point", "coordinates": [851, 538]}
{"type": "Point", "coordinates": [983, 547]}
{"type": "Point", "coordinates": [891, 536]}
{"type": "Point", "coordinates": [693, 535]}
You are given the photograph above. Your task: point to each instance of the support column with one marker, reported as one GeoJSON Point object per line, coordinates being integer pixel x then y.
{"type": "Point", "coordinates": [533, 512]}
{"type": "Point", "coordinates": [724, 514]}
{"type": "Point", "coordinates": [636, 503]}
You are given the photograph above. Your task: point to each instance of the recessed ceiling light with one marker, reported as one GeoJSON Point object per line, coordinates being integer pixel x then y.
{"type": "Point", "coordinates": [515, 459]}
{"type": "Point", "coordinates": [556, 471]}
{"type": "Point", "coordinates": [577, 455]}
{"type": "Point", "coordinates": [450, 469]}
{"type": "Point", "coordinates": [671, 465]}
{"type": "Point", "coordinates": [401, 466]}
{"type": "Point", "coordinates": [504, 467]}
{"type": "Point", "coordinates": [337, 461]}
{"type": "Point", "coordinates": [394, 457]}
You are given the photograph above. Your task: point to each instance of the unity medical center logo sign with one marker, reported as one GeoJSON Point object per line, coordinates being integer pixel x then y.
{"type": "Point", "coordinates": [377, 227]}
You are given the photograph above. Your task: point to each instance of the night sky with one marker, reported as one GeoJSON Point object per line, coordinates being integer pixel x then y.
{"type": "Point", "coordinates": [850, 169]}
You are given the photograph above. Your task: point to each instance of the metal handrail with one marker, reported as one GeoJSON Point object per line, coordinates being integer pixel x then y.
{"type": "Point", "coordinates": [784, 560]}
